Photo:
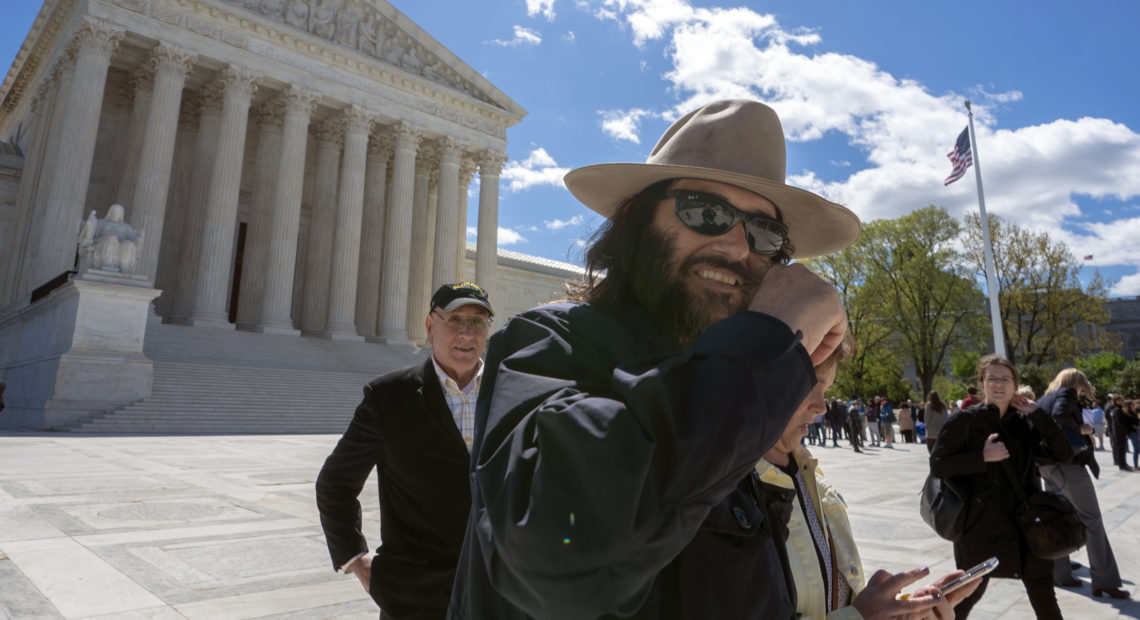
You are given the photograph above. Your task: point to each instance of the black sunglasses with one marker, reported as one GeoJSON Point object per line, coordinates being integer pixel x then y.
{"type": "Point", "coordinates": [710, 215]}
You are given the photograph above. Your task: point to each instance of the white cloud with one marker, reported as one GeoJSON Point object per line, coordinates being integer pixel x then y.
{"type": "Point", "coordinates": [509, 237]}
{"type": "Point", "coordinates": [543, 7]}
{"type": "Point", "coordinates": [569, 36]}
{"type": "Point", "coordinates": [622, 124]}
{"type": "Point", "coordinates": [577, 220]}
{"type": "Point", "coordinates": [506, 236]}
{"type": "Point", "coordinates": [523, 36]}
{"type": "Point", "coordinates": [903, 130]}
{"type": "Point", "coordinates": [539, 168]}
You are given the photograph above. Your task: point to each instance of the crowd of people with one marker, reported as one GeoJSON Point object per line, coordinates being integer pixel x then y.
{"type": "Point", "coordinates": [639, 450]}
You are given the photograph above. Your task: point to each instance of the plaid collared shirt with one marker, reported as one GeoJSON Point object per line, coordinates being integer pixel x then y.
{"type": "Point", "coordinates": [461, 401]}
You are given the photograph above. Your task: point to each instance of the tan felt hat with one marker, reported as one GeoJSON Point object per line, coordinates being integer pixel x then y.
{"type": "Point", "coordinates": [739, 142]}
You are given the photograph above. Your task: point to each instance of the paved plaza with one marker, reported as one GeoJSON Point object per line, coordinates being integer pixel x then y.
{"type": "Point", "coordinates": [220, 527]}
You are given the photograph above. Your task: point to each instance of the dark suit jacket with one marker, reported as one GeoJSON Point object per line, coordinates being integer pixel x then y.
{"type": "Point", "coordinates": [405, 429]}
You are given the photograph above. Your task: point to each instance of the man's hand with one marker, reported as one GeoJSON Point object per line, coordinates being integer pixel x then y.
{"type": "Point", "coordinates": [362, 568]}
{"type": "Point", "coordinates": [1086, 429]}
{"type": "Point", "coordinates": [806, 303]}
{"type": "Point", "coordinates": [994, 450]}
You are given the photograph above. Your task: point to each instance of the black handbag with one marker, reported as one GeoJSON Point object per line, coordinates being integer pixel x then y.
{"type": "Point", "coordinates": [1049, 523]}
{"type": "Point", "coordinates": [943, 507]}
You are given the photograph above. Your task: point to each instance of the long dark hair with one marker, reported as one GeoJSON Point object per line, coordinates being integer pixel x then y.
{"type": "Point", "coordinates": [614, 249]}
{"type": "Point", "coordinates": [935, 402]}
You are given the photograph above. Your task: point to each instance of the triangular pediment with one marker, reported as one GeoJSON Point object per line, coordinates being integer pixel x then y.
{"type": "Point", "coordinates": [376, 28]}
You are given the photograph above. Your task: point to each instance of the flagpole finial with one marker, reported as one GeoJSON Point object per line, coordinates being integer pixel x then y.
{"type": "Point", "coordinates": [968, 105]}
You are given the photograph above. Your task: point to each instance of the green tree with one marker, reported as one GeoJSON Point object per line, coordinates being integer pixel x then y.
{"type": "Point", "coordinates": [872, 370]}
{"type": "Point", "coordinates": [924, 293]}
{"type": "Point", "coordinates": [1047, 317]}
{"type": "Point", "coordinates": [1128, 380]}
{"type": "Point", "coordinates": [1103, 371]}
{"type": "Point", "coordinates": [964, 365]}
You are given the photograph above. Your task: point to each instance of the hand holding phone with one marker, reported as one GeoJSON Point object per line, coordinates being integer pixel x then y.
{"type": "Point", "coordinates": [973, 574]}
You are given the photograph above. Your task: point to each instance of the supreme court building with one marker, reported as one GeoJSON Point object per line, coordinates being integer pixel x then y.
{"type": "Point", "coordinates": [296, 168]}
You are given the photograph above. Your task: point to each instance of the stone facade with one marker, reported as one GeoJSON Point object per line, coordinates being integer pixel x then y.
{"type": "Point", "coordinates": [296, 166]}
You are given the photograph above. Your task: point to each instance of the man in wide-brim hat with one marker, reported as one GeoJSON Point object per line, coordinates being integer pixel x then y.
{"type": "Point", "coordinates": [612, 468]}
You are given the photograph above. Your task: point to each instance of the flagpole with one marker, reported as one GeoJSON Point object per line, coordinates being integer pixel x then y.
{"type": "Point", "coordinates": [991, 273]}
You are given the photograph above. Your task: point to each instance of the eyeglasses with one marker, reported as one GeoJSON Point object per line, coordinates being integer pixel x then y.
{"type": "Point", "coordinates": [455, 323]}
{"type": "Point", "coordinates": [710, 215]}
{"type": "Point", "coordinates": [999, 380]}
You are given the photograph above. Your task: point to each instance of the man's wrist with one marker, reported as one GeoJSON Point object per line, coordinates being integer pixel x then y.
{"type": "Point", "coordinates": [349, 566]}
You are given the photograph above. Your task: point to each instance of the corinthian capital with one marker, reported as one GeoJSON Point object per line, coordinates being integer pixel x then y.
{"type": "Point", "coordinates": [95, 38]}
{"type": "Point", "coordinates": [299, 101]}
{"type": "Point", "coordinates": [239, 82]}
{"type": "Point", "coordinates": [331, 131]}
{"type": "Point", "coordinates": [270, 114]}
{"type": "Point", "coordinates": [358, 119]}
{"type": "Point", "coordinates": [407, 136]}
{"type": "Point", "coordinates": [173, 61]}
{"type": "Point", "coordinates": [449, 150]}
{"type": "Point", "coordinates": [491, 162]}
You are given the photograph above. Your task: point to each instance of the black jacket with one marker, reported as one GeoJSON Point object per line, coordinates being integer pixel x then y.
{"type": "Point", "coordinates": [613, 471]}
{"type": "Point", "coordinates": [1065, 407]}
{"type": "Point", "coordinates": [991, 529]}
{"type": "Point", "coordinates": [405, 430]}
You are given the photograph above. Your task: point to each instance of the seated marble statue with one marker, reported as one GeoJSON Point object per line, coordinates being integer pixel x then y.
{"type": "Point", "coordinates": [109, 244]}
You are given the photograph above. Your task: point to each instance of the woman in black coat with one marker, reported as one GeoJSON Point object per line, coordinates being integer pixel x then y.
{"type": "Point", "coordinates": [970, 450]}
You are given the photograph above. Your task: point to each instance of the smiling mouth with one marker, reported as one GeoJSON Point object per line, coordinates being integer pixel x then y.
{"type": "Point", "coordinates": [717, 276]}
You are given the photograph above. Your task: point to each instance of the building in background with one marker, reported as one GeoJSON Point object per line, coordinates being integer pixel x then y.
{"type": "Point", "coordinates": [297, 169]}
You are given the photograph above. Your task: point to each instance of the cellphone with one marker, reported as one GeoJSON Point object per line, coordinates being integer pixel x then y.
{"type": "Point", "coordinates": [974, 573]}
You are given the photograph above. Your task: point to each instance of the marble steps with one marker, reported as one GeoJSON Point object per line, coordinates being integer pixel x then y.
{"type": "Point", "coordinates": [195, 398]}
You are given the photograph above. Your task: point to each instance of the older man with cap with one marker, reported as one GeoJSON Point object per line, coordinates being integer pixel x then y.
{"type": "Point", "coordinates": [616, 434]}
{"type": "Point", "coordinates": [414, 427]}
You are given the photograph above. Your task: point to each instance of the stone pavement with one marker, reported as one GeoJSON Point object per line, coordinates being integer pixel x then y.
{"type": "Point", "coordinates": [157, 527]}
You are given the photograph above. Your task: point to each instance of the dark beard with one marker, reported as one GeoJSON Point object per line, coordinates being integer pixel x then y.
{"type": "Point", "coordinates": [681, 313]}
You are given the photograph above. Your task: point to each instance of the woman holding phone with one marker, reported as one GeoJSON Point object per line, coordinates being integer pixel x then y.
{"type": "Point", "coordinates": [823, 560]}
{"type": "Point", "coordinates": [972, 449]}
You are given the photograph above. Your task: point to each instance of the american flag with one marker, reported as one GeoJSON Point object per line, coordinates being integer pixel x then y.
{"type": "Point", "coordinates": [962, 157]}
{"type": "Point", "coordinates": [1088, 256]}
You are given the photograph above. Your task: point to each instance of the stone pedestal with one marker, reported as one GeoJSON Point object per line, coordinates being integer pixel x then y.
{"type": "Point", "coordinates": [78, 351]}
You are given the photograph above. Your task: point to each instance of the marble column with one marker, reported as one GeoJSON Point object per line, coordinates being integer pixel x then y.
{"type": "Point", "coordinates": [177, 205]}
{"type": "Point", "coordinates": [210, 294]}
{"type": "Point", "coordinates": [322, 226]}
{"type": "Point", "coordinates": [142, 85]}
{"type": "Point", "coordinates": [397, 237]}
{"type": "Point", "coordinates": [467, 168]}
{"type": "Point", "coordinates": [29, 273]}
{"type": "Point", "coordinates": [372, 235]}
{"type": "Point", "coordinates": [69, 172]}
{"type": "Point", "coordinates": [286, 213]}
{"type": "Point", "coordinates": [419, 257]}
{"type": "Point", "coordinates": [251, 287]}
{"type": "Point", "coordinates": [205, 149]}
{"type": "Point", "coordinates": [341, 324]}
{"type": "Point", "coordinates": [147, 211]}
{"type": "Point", "coordinates": [447, 217]}
{"type": "Point", "coordinates": [486, 249]}
{"type": "Point", "coordinates": [13, 255]}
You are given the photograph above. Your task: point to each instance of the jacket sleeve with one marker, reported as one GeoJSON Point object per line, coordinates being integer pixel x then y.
{"type": "Point", "coordinates": [342, 478]}
{"type": "Point", "coordinates": [952, 454]}
{"type": "Point", "coordinates": [591, 477]}
{"type": "Point", "coordinates": [1053, 444]}
{"type": "Point", "coordinates": [1066, 411]}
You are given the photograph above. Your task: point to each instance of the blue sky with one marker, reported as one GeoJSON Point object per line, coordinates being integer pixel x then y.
{"type": "Point", "coordinates": [870, 94]}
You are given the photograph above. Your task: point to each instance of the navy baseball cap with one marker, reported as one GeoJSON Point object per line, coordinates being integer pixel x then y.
{"type": "Point", "coordinates": [452, 296]}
